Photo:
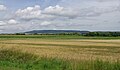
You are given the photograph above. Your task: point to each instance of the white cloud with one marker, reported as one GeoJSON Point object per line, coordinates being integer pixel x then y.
{"type": "Point", "coordinates": [29, 12]}
{"type": "Point", "coordinates": [12, 21]}
{"type": "Point", "coordinates": [5, 23]}
{"type": "Point", "coordinates": [54, 10]}
{"type": "Point", "coordinates": [2, 8]}
{"type": "Point", "coordinates": [51, 12]}
{"type": "Point", "coordinates": [92, 8]}
{"type": "Point", "coordinates": [2, 23]}
{"type": "Point", "coordinates": [45, 23]}
{"type": "Point", "coordinates": [60, 11]}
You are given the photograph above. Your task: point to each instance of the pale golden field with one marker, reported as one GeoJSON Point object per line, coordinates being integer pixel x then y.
{"type": "Point", "coordinates": [84, 49]}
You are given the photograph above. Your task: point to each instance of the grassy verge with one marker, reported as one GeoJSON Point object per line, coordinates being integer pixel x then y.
{"type": "Point", "coordinates": [16, 60]}
{"type": "Point", "coordinates": [25, 61]}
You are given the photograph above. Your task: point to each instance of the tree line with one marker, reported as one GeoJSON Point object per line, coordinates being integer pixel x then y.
{"type": "Point", "coordinates": [103, 34]}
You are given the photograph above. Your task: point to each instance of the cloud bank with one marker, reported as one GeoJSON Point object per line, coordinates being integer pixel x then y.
{"type": "Point", "coordinates": [93, 15]}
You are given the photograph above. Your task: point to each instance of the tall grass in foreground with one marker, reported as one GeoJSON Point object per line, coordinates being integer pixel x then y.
{"type": "Point", "coordinates": [16, 60]}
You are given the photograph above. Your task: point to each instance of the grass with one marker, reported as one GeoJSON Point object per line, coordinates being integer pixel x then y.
{"type": "Point", "coordinates": [26, 61]}
{"type": "Point", "coordinates": [54, 52]}
{"type": "Point", "coordinates": [16, 60]}
{"type": "Point", "coordinates": [53, 37]}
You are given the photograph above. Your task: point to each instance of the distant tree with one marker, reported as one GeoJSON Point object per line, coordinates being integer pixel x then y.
{"type": "Point", "coordinates": [20, 34]}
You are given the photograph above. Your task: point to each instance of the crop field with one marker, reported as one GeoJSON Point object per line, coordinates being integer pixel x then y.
{"type": "Point", "coordinates": [54, 52]}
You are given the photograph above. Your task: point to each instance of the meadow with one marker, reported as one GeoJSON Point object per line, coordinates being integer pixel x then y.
{"type": "Point", "coordinates": [59, 52]}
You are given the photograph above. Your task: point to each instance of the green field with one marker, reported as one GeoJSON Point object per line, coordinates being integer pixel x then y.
{"type": "Point", "coordinates": [53, 37]}
{"type": "Point", "coordinates": [59, 52]}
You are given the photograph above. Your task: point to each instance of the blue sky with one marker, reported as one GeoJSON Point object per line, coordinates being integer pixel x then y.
{"type": "Point", "coordinates": [16, 4]}
{"type": "Point", "coordinates": [26, 15]}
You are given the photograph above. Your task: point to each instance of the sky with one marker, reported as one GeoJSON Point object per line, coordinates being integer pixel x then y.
{"type": "Point", "coordinates": [90, 15]}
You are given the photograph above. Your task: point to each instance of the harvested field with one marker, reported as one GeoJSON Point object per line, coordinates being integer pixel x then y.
{"type": "Point", "coordinates": [68, 49]}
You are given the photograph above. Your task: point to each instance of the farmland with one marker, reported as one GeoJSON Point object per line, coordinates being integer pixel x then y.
{"type": "Point", "coordinates": [59, 52]}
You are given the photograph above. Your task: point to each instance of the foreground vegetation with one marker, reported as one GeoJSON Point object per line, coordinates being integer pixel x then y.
{"type": "Point", "coordinates": [11, 59]}
{"type": "Point", "coordinates": [59, 52]}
